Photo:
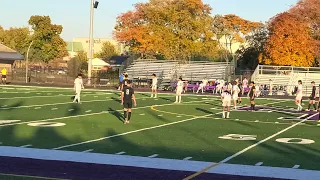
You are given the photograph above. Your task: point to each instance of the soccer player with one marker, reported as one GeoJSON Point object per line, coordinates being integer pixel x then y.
{"type": "Point", "coordinates": [235, 94]}
{"type": "Point", "coordinates": [252, 93]}
{"type": "Point", "coordinates": [202, 85]}
{"type": "Point", "coordinates": [244, 84]}
{"type": "Point", "coordinates": [125, 81]}
{"type": "Point", "coordinates": [312, 98]}
{"type": "Point", "coordinates": [127, 96]}
{"type": "Point", "coordinates": [4, 76]}
{"type": "Point", "coordinates": [240, 93]}
{"type": "Point", "coordinates": [78, 85]}
{"type": "Point", "coordinates": [154, 86]}
{"type": "Point", "coordinates": [299, 96]}
{"type": "Point", "coordinates": [179, 90]}
{"type": "Point", "coordinates": [226, 103]}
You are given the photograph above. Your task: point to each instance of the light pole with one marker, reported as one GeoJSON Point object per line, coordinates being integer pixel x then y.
{"type": "Point", "coordinates": [27, 58]}
{"type": "Point", "coordinates": [94, 5]}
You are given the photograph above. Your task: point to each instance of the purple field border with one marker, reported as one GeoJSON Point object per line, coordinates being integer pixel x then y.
{"type": "Point", "coordinates": [87, 171]}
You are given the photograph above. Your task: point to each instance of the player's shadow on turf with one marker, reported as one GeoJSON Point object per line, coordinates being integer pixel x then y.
{"type": "Point", "coordinates": [205, 111]}
{"type": "Point", "coordinates": [9, 107]}
{"type": "Point", "coordinates": [167, 99]}
{"type": "Point", "coordinates": [117, 114]}
{"type": "Point", "coordinates": [116, 99]}
{"type": "Point", "coordinates": [73, 109]}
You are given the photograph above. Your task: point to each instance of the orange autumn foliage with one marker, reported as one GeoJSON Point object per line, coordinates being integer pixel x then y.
{"type": "Point", "coordinates": [290, 42]}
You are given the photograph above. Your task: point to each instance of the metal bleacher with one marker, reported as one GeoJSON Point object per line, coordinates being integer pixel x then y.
{"type": "Point", "coordinates": [169, 70]}
{"type": "Point", "coordinates": [286, 76]}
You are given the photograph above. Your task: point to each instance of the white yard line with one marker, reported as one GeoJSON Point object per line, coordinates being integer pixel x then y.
{"type": "Point", "coordinates": [131, 132]}
{"type": "Point", "coordinates": [51, 96]}
{"type": "Point", "coordinates": [246, 149]}
{"type": "Point", "coordinates": [89, 150]}
{"type": "Point", "coordinates": [120, 153]}
{"type": "Point", "coordinates": [187, 158]}
{"type": "Point", "coordinates": [296, 166]}
{"type": "Point", "coordinates": [259, 164]}
{"type": "Point", "coordinates": [153, 156]}
{"type": "Point", "coordinates": [84, 115]}
{"type": "Point", "coordinates": [25, 146]}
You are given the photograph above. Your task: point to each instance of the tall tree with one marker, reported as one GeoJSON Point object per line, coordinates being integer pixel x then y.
{"type": "Point", "coordinates": [255, 44]}
{"type": "Point", "coordinates": [107, 51]}
{"type": "Point", "coordinates": [78, 64]}
{"type": "Point", "coordinates": [231, 29]}
{"type": "Point", "coordinates": [290, 42]}
{"type": "Point", "coordinates": [176, 29]}
{"type": "Point", "coordinates": [308, 11]}
{"type": "Point", "coordinates": [15, 38]}
{"type": "Point", "coordinates": [47, 43]}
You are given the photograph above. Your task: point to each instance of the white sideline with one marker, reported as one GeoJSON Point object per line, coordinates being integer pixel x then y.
{"type": "Point", "coordinates": [158, 163]}
{"type": "Point", "coordinates": [290, 98]}
{"type": "Point", "coordinates": [83, 115]}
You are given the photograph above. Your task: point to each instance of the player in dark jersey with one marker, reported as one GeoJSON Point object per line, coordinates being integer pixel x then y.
{"type": "Point", "coordinates": [127, 96]}
{"type": "Point", "coordinates": [312, 98]}
{"type": "Point", "coordinates": [124, 82]}
{"type": "Point", "coordinates": [252, 93]}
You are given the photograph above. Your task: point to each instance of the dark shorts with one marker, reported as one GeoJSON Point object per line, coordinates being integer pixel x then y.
{"type": "Point", "coordinates": [4, 76]}
{"type": "Point", "coordinates": [312, 98]}
{"type": "Point", "coordinates": [239, 94]}
{"type": "Point", "coordinates": [127, 104]}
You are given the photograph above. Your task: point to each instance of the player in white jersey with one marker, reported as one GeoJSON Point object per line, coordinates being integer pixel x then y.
{"type": "Point", "coordinates": [202, 85]}
{"type": "Point", "coordinates": [154, 86]}
{"type": "Point", "coordinates": [179, 90]}
{"type": "Point", "coordinates": [226, 103]}
{"type": "Point", "coordinates": [235, 93]}
{"type": "Point", "coordinates": [244, 84]}
{"type": "Point", "coordinates": [78, 85]}
{"type": "Point", "coordinates": [299, 96]}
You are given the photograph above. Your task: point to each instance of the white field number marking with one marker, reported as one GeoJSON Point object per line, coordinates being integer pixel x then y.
{"type": "Point", "coordinates": [295, 141]}
{"type": "Point", "coordinates": [47, 124]}
{"type": "Point", "coordinates": [242, 137]}
{"type": "Point", "coordinates": [239, 137]}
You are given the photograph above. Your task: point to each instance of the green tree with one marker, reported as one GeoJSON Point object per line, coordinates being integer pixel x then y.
{"type": "Point", "coordinates": [15, 38]}
{"type": "Point", "coordinates": [107, 51]}
{"type": "Point", "coordinates": [47, 43]}
{"type": "Point", "coordinates": [78, 64]}
{"type": "Point", "coordinates": [249, 54]}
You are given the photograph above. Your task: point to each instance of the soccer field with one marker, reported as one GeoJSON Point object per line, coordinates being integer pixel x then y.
{"type": "Point", "coordinates": [275, 140]}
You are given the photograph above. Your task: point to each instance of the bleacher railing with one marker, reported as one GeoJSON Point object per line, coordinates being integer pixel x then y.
{"type": "Point", "coordinates": [284, 70]}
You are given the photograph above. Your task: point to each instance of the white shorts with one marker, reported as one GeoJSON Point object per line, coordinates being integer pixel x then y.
{"type": "Point", "coordinates": [226, 103]}
{"type": "Point", "coordinates": [154, 87]}
{"type": "Point", "coordinates": [235, 97]}
{"type": "Point", "coordinates": [78, 91]}
{"type": "Point", "coordinates": [179, 92]}
{"type": "Point", "coordinates": [298, 97]}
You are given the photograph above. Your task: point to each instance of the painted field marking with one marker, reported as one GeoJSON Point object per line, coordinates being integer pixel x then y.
{"type": "Point", "coordinates": [88, 111]}
{"type": "Point", "coordinates": [187, 158]}
{"type": "Point", "coordinates": [160, 115]}
{"type": "Point", "coordinates": [37, 108]}
{"type": "Point", "coordinates": [89, 150]}
{"type": "Point", "coordinates": [25, 146]}
{"type": "Point", "coordinates": [259, 164]}
{"type": "Point", "coordinates": [54, 104]}
{"type": "Point", "coordinates": [28, 97]}
{"type": "Point", "coordinates": [141, 114]}
{"type": "Point", "coordinates": [131, 132]}
{"type": "Point", "coordinates": [120, 153]}
{"type": "Point", "coordinates": [246, 149]}
{"type": "Point", "coordinates": [4, 106]}
{"type": "Point", "coordinates": [153, 156]}
{"type": "Point", "coordinates": [296, 166]}
{"type": "Point", "coordinates": [179, 116]}
{"type": "Point", "coordinates": [84, 115]}
{"type": "Point", "coordinates": [54, 109]}
{"type": "Point", "coordinates": [71, 110]}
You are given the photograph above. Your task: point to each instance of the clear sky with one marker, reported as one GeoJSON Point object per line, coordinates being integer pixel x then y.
{"type": "Point", "coordinates": [74, 14]}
